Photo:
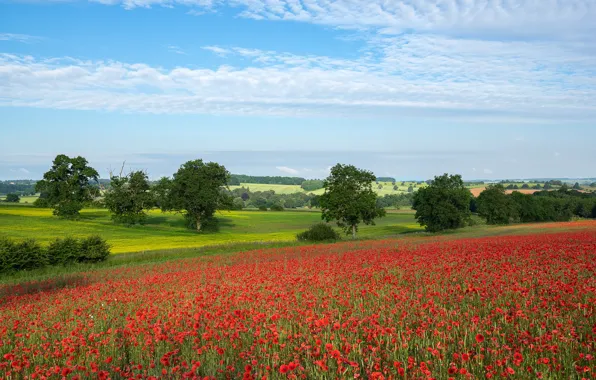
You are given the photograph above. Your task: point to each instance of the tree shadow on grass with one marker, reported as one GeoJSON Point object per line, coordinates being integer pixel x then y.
{"type": "Point", "coordinates": [44, 286]}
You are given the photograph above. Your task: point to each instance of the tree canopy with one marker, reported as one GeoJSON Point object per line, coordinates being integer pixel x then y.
{"type": "Point", "coordinates": [197, 189]}
{"type": "Point", "coordinates": [13, 198]}
{"type": "Point", "coordinates": [444, 204]}
{"type": "Point", "coordinates": [495, 206]}
{"type": "Point", "coordinates": [68, 185]}
{"type": "Point", "coordinates": [129, 197]}
{"type": "Point", "coordinates": [349, 198]}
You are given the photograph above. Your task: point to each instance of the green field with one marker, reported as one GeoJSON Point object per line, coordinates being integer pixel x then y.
{"type": "Point", "coordinates": [167, 230]}
{"type": "Point", "coordinates": [387, 188]}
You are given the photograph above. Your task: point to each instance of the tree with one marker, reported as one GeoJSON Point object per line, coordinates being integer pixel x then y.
{"type": "Point", "coordinates": [68, 186]}
{"type": "Point", "coordinates": [395, 188]}
{"type": "Point", "coordinates": [245, 196]}
{"type": "Point", "coordinates": [525, 186]}
{"type": "Point", "coordinates": [577, 186]}
{"type": "Point", "coordinates": [13, 198]}
{"type": "Point", "coordinates": [410, 189]}
{"type": "Point", "coordinates": [349, 198]}
{"type": "Point", "coordinates": [198, 189]}
{"type": "Point", "coordinates": [443, 204]}
{"type": "Point", "coordinates": [312, 185]}
{"type": "Point", "coordinates": [495, 206]}
{"type": "Point", "coordinates": [129, 197]}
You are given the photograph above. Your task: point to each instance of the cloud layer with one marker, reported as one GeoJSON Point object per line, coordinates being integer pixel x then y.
{"type": "Point", "coordinates": [508, 60]}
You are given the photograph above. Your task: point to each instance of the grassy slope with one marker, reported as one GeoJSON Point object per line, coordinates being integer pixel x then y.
{"type": "Point", "coordinates": [290, 189]}
{"type": "Point", "coordinates": [167, 231]}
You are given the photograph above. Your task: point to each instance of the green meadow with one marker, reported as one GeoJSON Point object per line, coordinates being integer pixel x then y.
{"type": "Point", "coordinates": [386, 188]}
{"type": "Point", "coordinates": [167, 230]}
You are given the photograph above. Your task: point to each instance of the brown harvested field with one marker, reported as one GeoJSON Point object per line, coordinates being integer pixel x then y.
{"type": "Point", "coordinates": [476, 191]}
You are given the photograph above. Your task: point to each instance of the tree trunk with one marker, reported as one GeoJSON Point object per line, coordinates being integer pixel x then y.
{"type": "Point", "coordinates": [198, 223]}
{"type": "Point", "coordinates": [354, 231]}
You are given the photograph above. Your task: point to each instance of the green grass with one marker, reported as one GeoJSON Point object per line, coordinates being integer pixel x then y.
{"type": "Point", "coordinates": [167, 230]}
{"type": "Point", "coordinates": [291, 189]}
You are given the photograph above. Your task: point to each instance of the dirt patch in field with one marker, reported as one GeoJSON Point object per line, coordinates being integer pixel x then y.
{"type": "Point", "coordinates": [476, 191]}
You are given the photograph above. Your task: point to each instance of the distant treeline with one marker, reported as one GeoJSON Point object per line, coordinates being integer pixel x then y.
{"type": "Point", "coordinates": [560, 205]}
{"type": "Point", "coordinates": [237, 179]}
{"type": "Point", "coordinates": [21, 187]}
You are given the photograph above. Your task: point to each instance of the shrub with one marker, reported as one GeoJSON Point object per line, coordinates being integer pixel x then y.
{"type": "Point", "coordinates": [277, 207]}
{"type": "Point", "coordinates": [93, 249]}
{"type": "Point", "coordinates": [262, 208]}
{"type": "Point", "coordinates": [64, 251]}
{"type": "Point", "coordinates": [318, 232]}
{"type": "Point", "coordinates": [21, 256]}
{"type": "Point", "coordinates": [13, 198]}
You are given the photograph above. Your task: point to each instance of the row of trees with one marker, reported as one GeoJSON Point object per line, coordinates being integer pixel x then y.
{"type": "Point", "coordinates": [498, 207]}
{"type": "Point", "coordinates": [199, 189]}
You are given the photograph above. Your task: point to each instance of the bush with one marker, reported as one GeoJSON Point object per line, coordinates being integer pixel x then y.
{"type": "Point", "coordinates": [64, 251]}
{"type": "Point", "coordinates": [318, 232]}
{"type": "Point", "coordinates": [262, 208]}
{"type": "Point", "coordinates": [30, 255]}
{"type": "Point", "coordinates": [93, 249]}
{"type": "Point", "coordinates": [21, 256]}
{"type": "Point", "coordinates": [277, 207]}
{"type": "Point", "coordinates": [13, 198]}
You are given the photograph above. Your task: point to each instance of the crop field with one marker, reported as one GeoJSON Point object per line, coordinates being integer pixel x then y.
{"type": "Point", "coordinates": [167, 230]}
{"type": "Point", "coordinates": [513, 307]}
{"type": "Point", "coordinates": [387, 188]}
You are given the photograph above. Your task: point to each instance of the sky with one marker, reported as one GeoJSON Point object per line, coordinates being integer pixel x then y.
{"type": "Point", "coordinates": [490, 89]}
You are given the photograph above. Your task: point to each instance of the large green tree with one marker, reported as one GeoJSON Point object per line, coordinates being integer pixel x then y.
{"type": "Point", "coordinates": [444, 204]}
{"type": "Point", "coordinates": [68, 185]}
{"type": "Point", "coordinates": [349, 198]}
{"type": "Point", "coordinates": [495, 206]}
{"type": "Point", "coordinates": [12, 197]}
{"type": "Point", "coordinates": [129, 197]}
{"type": "Point", "coordinates": [197, 189]}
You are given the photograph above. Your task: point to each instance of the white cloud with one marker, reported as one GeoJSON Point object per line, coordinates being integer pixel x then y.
{"type": "Point", "coordinates": [488, 171]}
{"type": "Point", "coordinates": [436, 78]}
{"type": "Point", "coordinates": [176, 49]}
{"type": "Point", "coordinates": [217, 50]}
{"type": "Point", "coordinates": [25, 38]}
{"type": "Point", "coordinates": [451, 66]}
{"type": "Point", "coordinates": [20, 170]}
{"type": "Point", "coordinates": [287, 170]}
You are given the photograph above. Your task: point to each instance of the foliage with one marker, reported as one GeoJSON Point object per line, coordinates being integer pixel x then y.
{"type": "Point", "coordinates": [64, 251]}
{"type": "Point", "coordinates": [349, 198]}
{"type": "Point", "coordinates": [129, 198]}
{"type": "Point", "coordinates": [25, 255]}
{"type": "Point", "coordinates": [277, 207]}
{"type": "Point", "coordinates": [197, 189]}
{"type": "Point", "coordinates": [495, 206]}
{"type": "Point", "coordinates": [93, 249]}
{"type": "Point", "coordinates": [312, 185]}
{"type": "Point", "coordinates": [29, 254]}
{"type": "Point", "coordinates": [318, 232]}
{"type": "Point", "coordinates": [67, 185]}
{"type": "Point", "coordinates": [21, 187]}
{"type": "Point", "coordinates": [385, 179]}
{"type": "Point", "coordinates": [444, 204]}
{"type": "Point", "coordinates": [12, 198]}
{"type": "Point", "coordinates": [395, 200]}
{"type": "Point", "coordinates": [263, 208]}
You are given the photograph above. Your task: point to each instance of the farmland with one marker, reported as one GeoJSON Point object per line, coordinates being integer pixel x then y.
{"type": "Point", "coordinates": [167, 230]}
{"type": "Point", "coordinates": [386, 188]}
{"type": "Point", "coordinates": [507, 306]}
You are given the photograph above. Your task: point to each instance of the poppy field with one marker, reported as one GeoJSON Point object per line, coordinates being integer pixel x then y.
{"type": "Point", "coordinates": [494, 307]}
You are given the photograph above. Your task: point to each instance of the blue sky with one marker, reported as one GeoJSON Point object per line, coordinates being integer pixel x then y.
{"type": "Point", "coordinates": [413, 88]}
